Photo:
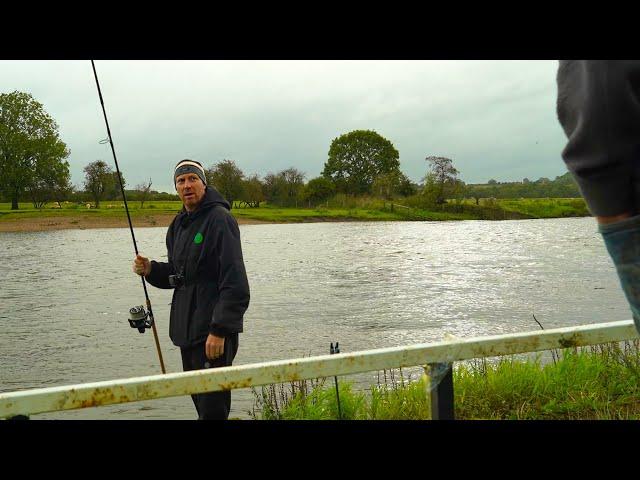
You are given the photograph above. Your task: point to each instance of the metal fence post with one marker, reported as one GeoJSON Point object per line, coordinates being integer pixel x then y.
{"type": "Point", "coordinates": [442, 394]}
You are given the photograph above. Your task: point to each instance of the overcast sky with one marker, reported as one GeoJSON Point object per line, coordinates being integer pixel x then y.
{"type": "Point", "coordinates": [494, 119]}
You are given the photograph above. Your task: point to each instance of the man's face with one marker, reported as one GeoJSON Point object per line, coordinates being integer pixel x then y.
{"type": "Point", "coordinates": [190, 190]}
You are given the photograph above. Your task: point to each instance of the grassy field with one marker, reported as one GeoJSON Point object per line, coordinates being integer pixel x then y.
{"type": "Point", "coordinates": [277, 214]}
{"type": "Point", "coordinates": [107, 209]}
{"type": "Point", "coordinates": [546, 207]}
{"type": "Point", "coordinates": [370, 211]}
{"type": "Point", "coordinates": [265, 213]}
{"type": "Point", "coordinates": [599, 382]}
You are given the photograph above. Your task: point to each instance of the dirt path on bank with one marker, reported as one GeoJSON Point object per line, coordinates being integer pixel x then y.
{"type": "Point", "coordinates": [83, 223]}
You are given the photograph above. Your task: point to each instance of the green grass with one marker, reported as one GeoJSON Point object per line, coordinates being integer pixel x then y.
{"type": "Point", "coordinates": [108, 209]}
{"type": "Point", "coordinates": [278, 214]}
{"type": "Point", "coordinates": [316, 400]}
{"type": "Point", "coordinates": [358, 209]}
{"type": "Point", "coordinates": [266, 213]}
{"type": "Point", "coordinates": [600, 382]}
{"type": "Point", "coordinates": [546, 207]}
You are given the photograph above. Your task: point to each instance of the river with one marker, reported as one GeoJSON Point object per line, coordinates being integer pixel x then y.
{"type": "Point", "coordinates": [65, 296]}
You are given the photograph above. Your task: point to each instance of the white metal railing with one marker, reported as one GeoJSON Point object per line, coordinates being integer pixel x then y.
{"type": "Point", "coordinates": [33, 401]}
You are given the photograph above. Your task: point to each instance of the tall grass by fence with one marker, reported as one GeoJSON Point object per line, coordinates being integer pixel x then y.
{"type": "Point", "coordinates": [596, 382]}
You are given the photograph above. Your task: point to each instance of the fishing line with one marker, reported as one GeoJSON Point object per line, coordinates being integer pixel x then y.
{"type": "Point", "coordinates": [138, 318]}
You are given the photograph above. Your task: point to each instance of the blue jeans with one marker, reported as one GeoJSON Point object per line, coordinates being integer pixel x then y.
{"type": "Point", "coordinates": [622, 240]}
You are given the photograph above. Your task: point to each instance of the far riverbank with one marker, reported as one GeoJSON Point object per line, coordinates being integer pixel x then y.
{"type": "Point", "coordinates": [160, 214]}
{"type": "Point", "coordinates": [41, 224]}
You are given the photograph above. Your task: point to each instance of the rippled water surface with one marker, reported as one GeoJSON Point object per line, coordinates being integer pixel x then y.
{"type": "Point", "coordinates": [65, 295]}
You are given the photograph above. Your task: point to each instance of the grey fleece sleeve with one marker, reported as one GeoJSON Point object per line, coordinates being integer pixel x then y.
{"type": "Point", "coordinates": [598, 107]}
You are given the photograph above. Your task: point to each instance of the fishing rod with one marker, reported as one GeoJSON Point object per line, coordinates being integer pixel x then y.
{"type": "Point", "coordinates": [138, 318]}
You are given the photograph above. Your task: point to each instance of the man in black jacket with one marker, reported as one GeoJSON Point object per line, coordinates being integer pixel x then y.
{"type": "Point", "coordinates": [206, 270]}
{"type": "Point", "coordinates": [599, 109]}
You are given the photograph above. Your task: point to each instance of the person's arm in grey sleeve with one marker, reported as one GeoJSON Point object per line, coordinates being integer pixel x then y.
{"type": "Point", "coordinates": [599, 110]}
{"type": "Point", "coordinates": [233, 286]}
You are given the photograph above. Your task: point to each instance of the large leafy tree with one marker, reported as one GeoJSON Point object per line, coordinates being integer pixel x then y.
{"type": "Point", "coordinates": [357, 158]}
{"type": "Point", "coordinates": [227, 178]}
{"type": "Point", "coordinates": [32, 156]}
{"type": "Point", "coordinates": [98, 179]}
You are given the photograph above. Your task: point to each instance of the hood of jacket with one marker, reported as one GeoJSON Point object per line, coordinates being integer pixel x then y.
{"type": "Point", "coordinates": [211, 198]}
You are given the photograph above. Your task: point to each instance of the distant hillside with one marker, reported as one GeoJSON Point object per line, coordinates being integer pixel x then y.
{"type": "Point", "coordinates": [563, 186]}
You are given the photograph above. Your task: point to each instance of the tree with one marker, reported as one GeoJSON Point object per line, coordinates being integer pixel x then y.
{"type": "Point", "coordinates": [227, 178]}
{"type": "Point", "coordinates": [430, 190]}
{"type": "Point", "coordinates": [143, 190]}
{"type": "Point", "coordinates": [29, 139]}
{"type": "Point", "coordinates": [113, 191]}
{"type": "Point", "coordinates": [442, 179]}
{"type": "Point", "coordinates": [318, 190]}
{"type": "Point", "coordinates": [563, 186]}
{"type": "Point", "coordinates": [271, 187]}
{"type": "Point", "coordinates": [406, 187]}
{"type": "Point", "coordinates": [385, 185]}
{"type": "Point", "coordinates": [284, 187]}
{"type": "Point", "coordinates": [50, 180]}
{"type": "Point", "coordinates": [474, 192]}
{"type": "Point", "coordinates": [293, 183]}
{"type": "Point", "coordinates": [357, 158]}
{"type": "Point", "coordinates": [78, 194]}
{"type": "Point", "coordinates": [64, 191]}
{"type": "Point", "coordinates": [252, 191]}
{"type": "Point", "coordinates": [98, 180]}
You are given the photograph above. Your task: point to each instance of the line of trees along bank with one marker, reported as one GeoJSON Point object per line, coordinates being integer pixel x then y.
{"type": "Point", "coordinates": [361, 163]}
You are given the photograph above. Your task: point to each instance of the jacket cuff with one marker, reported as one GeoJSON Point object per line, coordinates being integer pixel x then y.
{"type": "Point", "coordinates": [152, 278]}
{"type": "Point", "coordinates": [219, 331]}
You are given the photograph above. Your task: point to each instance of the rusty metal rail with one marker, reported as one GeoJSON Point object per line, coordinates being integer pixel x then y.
{"type": "Point", "coordinates": [40, 400]}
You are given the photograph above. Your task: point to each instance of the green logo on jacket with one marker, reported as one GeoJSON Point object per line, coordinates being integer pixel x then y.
{"type": "Point", "coordinates": [198, 238]}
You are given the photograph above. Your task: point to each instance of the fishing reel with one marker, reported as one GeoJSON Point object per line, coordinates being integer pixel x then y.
{"type": "Point", "coordinates": [139, 318]}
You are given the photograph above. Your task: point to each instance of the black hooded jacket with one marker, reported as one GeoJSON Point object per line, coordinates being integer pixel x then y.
{"type": "Point", "coordinates": [204, 246]}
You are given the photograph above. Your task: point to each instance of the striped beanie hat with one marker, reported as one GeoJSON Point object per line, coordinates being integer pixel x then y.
{"type": "Point", "coordinates": [189, 166]}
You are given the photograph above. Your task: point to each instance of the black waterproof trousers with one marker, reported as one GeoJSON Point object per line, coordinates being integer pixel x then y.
{"type": "Point", "coordinates": [214, 405]}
